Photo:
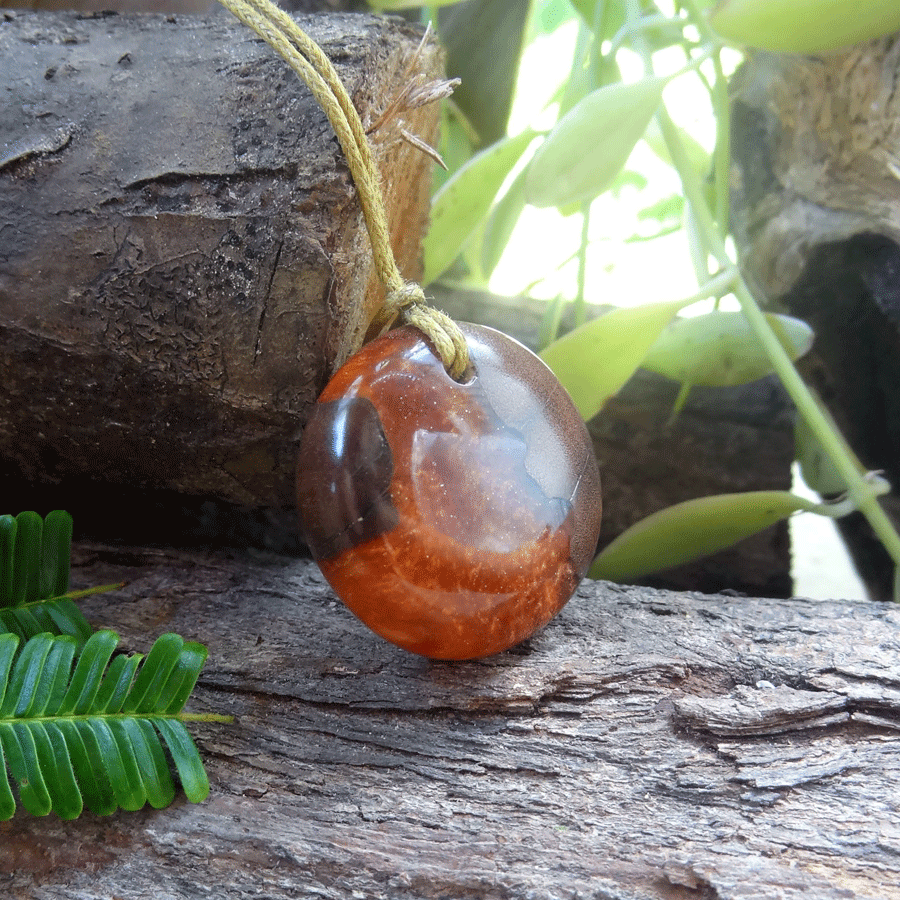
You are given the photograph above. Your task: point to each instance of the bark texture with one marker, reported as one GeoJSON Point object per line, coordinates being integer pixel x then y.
{"type": "Point", "coordinates": [183, 258]}
{"type": "Point", "coordinates": [645, 746]}
{"type": "Point", "coordinates": [817, 222]}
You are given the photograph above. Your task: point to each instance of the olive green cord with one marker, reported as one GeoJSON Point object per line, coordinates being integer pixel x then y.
{"type": "Point", "coordinates": [307, 59]}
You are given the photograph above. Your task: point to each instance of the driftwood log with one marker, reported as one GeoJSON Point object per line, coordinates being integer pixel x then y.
{"type": "Point", "coordinates": [817, 222]}
{"type": "Point", "coordinates": [183, 259]}
{"type": "Point", "coordinates": [645, 746]}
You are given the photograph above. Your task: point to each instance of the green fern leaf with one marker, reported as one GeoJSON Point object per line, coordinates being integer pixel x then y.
{"type": "Point", "coordinates": [35, 557]}
{"type": "Point", "coordinates": [92, 731]}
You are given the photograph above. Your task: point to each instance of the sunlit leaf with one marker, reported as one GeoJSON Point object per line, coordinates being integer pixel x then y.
{"type": "Point", "coordinates": [551, 320]}
{"type": "Point", "coordinates": [501, 223]}
{"type": "Point", "coordinates": [455, 146]}
{"type": "Point", "coordinates": [608, 16]}
{"type": "Point", "coordinates": [804, 26]}
{"type": "Point", "coordinates": [464, 201]}
{"type": "Point", "coordinates": [596, 359]}
{"type": "Point", "coordinates": [719, 349]}
{"type": "Point", "coordinates": [590, 145]}
{"type": "Point", "coordinates": [699, 158]}
{"type": "Point", "coordinates": [579, 83]}
{"type": "Point", "coordinates": [691, 530]}
{"type": "Point", "coordinates": [665, 210]}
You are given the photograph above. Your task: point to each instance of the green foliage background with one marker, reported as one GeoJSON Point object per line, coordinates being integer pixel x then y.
{"type": "Point", "coordinates": [630, 59]}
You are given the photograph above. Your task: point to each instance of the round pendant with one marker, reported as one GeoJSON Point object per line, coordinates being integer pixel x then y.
{"type": "Point", "coordinates": [454, 519]}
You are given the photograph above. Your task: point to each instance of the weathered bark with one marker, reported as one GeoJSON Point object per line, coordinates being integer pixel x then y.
{"type": "Point", "coordinates": [183, 258]}
{"type": "Point", "coordinates": [725, 440]}
{"type": "Point", "coordinates": [817, 221]}
{"type": "Point", "coordinates": [644, 746]}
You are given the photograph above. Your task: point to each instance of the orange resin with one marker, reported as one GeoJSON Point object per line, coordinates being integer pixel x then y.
{"type": "Point", "coordinates": [455, 520]}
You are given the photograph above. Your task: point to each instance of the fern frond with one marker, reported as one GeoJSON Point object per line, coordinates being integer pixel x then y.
{"type": "Point", "coordinates": [91, 728]}
{"type": "Point", "coordinates": [35, 557]}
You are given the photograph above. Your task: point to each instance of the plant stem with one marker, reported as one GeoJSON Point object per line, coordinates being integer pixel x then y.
{"type": "Point", "coordinates": [860, 491]}
{"type": "Point", "coordinates": [580, 302]}
{"type": "Point", "coordinates": [722, 112]}
{"type": "Point", "coordinates": [89, 592]}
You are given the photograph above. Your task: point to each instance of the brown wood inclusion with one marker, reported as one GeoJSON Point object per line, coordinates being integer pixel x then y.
{"type": "Point", "coordinates": [455, 520]}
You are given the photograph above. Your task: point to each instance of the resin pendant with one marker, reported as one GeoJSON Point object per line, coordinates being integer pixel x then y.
{"type": "Point", "coordinates": [454, 519]}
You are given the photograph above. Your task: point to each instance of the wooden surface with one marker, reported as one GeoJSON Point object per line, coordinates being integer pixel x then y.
{"type": "Point", "coordinates": [645, 745]}
{"type": "Point", "coordinates": [183, 259]}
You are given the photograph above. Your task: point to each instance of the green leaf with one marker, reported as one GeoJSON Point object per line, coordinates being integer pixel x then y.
{"type": "Point", "coordinates": [154, 674]}
{"type": "Point", "coordinates": [456, 145]}
{"type": "Point", "coordinates": [464, 201]}
{"type": "Point", "coordinates": [607, 16]}
{"type": "Point", "coordinates": [590, 145]}
{"type": "Point", "coordinates": [99, 796]}
{"type": "Point", "coordinates": [183, 677]}
{"type": "Point", "coordinates": [94, 733]}
{"type": "Point", "coordinates": [687, 531]}
{"type": "Point", "coordinates": [551, 320]}
{"type": "Point", "coordinates": [116, 683]}
{"type": "Point", "coordinates": [501, 223]}
{"type": "Point", "coordinates": [186, 758]}
{"type": "Point", "coordinates": [7, 550]}
{"type": "Point", "coordinates": [25, 676]}
{"type": "Point", "coordinates": [804, 26]}
{"type": "Point", "coordinates": [60, 616]}
{"type": "Point", "coordinates": [816, 466]}
{"type": "Point", "coordinates": [56, 546]}
{"type": "Point", "coordinates": [87, 764]}
{"type": "Point", "coordinates": [20, 750]}
{"type": "Point", "coordinates": [26, 562]}
{"type": "Point", "coordinates": [7, 800]}
{"type": "Point", "coordinates": [34, 576]}
{"type": "Point", "coordinates": [720, 349]}
{"type": "Point", "coordinates": [55, 676]}
{"type": "Point", "coordinates": [666, 211]}
{"type": "Point", "coordinates": [56, 764]}
{"type": "Point", "coordinates": [596, 359]}
{"type": "Point", "coordinates": [88, 675]}
{"type": "Point", "coordinates": [698, 157]}
{"type": "Point", "coordinates": [151, 761]}
{"type": "Point", "coordinates": [9, 644]}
